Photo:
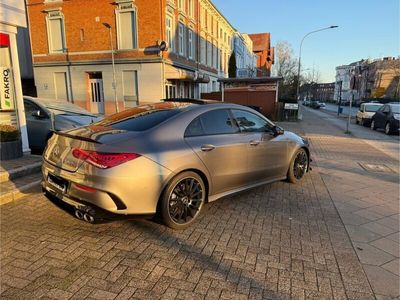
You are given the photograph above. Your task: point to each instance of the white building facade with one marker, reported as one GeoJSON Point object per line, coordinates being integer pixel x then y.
{"type": "Point", "coordinates": [246, 60]}
{"type": "Point", "coordinates": [12, 16]}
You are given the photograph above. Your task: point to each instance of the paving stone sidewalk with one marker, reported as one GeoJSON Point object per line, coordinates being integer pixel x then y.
{"type": "Point", "coordinates": [367, 198]}
{"type": "Point", "coordinates": [279, 241]}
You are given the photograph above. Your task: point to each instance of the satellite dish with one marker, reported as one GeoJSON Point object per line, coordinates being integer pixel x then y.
{"type": "Point", "coordinates": [163, 46]}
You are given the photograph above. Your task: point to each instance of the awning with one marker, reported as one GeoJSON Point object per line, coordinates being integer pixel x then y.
{"type": "Point", "coordinates": [174, 73]}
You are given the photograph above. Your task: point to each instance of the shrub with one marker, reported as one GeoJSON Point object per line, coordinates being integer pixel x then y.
{"type": "Point", "coordinates": [8, 133]}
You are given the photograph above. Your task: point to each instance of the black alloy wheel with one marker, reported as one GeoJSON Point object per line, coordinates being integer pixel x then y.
{"type": "Point", "coordinates": [183, 200]}
{"type": "Point", "coordinates": [298, 166]}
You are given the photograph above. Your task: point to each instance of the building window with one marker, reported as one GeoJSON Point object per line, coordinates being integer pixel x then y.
{"type": "Point", "coordinates": [56, 32]}
{"type": "Point", "coordinates": [182, 43]}
{"type": "Point", "coordinates": [181, 5]}
{"type": "Point", "coordinates": [127, 27]}
{"type": "Point", "coordinates": [191, 44]}
{"type": "Point", "coordinates": [170, 90]}
{"type": "Point", "coordinates": [220, 59]}
{"type": "Point", "coordinates": [215, 59]}
{"type": "Point", "coordinates": [191, 8]}
{"type": "Point", "coordinates": [209, 52]}
{"type": "Point", "coordinates": [130, 88]}
{"type": "Point", "coordinates": [203, 51]}
{"type": "Point", "coordinates": [170, 32]}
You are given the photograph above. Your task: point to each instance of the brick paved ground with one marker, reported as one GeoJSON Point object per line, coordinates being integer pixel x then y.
{"type": "Point", "coordinates": [367, 201]}
{"type": "Point", "coordinates": [279, 241]}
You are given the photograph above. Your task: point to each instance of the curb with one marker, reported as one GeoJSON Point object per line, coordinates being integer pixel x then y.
{"type": "Point", "coordinates": [20, 172]}
{"type": "Point", "coordinates": [19, 193]}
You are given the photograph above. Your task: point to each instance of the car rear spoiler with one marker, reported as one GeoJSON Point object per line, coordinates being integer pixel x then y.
{"type": "Point", "coordinates": [77, 137]}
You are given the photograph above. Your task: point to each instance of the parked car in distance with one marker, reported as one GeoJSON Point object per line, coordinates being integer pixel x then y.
{"type": "Point", "coordinates": [45, 116]}
{"type": "Point", "coordinates": [306, 102]}
{"type": "Point", "coordinates": [365, 113]}
{"type": "Point", "coordinates": [387, 117]}
{"type": "Point", "coordinates": [315, 104]}
{"type": "Point", "coordinates": [169, 157]}
{"type": "Point", "coordinates": [322, 104]}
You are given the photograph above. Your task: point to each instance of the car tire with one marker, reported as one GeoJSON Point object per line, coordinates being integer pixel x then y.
{"type": "Point", "coordinates": [373, 127]}
{"type": "Point", "coordinates": [388, 130]}
{"type": "Point", "coordinates": [298, 166]}
{"type": "Point", "coordinates": [182, 200]}
{"type": "Point", "coordinates": [357, 122]}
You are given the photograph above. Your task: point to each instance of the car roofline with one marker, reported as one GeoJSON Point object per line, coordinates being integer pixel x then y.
{"type": "Point", "coordinates": [192, 100]}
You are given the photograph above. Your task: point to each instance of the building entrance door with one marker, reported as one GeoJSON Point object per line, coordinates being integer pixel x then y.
{"type": "Point", "coordinates": [96, 93]}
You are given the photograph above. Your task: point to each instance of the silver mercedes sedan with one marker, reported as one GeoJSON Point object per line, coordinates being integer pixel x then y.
{"type": "Point", "coordinates": [168, 158]}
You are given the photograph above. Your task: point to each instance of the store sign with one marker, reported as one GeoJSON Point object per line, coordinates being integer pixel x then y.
{"type": "Point", "coordinates": [291, 106]}
{"type": "Point", "coordinates": [6, 89]}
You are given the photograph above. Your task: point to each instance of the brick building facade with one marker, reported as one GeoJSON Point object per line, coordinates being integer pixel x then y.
{"type": "Point", "coordinates": [72, 51]}
{"type": "Point", "coordinates": [265, 53]}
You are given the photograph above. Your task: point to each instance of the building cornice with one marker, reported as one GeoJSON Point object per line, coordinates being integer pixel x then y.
{"type": "Point", "coordinates": [97, 62]}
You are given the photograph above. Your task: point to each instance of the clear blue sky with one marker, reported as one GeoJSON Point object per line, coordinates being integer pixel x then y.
{"type": "Point", "coordinates": [367, 28]}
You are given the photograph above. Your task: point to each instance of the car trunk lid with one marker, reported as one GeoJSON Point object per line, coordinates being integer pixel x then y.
{"type": "Point", "coordinates": [59, 150]}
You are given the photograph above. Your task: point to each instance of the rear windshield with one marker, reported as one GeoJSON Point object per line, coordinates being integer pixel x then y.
{"type": "Point", "coordinates": [372, 107]}
{"type": "Point", "coordinates": [142, 118]}
{"type": "Point", "coordinates": [60, 107]}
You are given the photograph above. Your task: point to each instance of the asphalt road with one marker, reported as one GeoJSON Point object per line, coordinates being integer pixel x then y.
{"type": "Point", "coordinates": [334, 108]}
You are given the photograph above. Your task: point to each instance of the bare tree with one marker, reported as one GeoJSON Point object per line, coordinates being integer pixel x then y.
{"type": "Point", "coordinates": [285, 66]}
{"type": "Point", "coordinates": [285, 62]}
{"type": "Point", "coordinates": [311, 77]}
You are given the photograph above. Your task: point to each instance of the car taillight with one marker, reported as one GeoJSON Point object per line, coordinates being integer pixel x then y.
{"type": "Point", "coordinates": [103, 160]}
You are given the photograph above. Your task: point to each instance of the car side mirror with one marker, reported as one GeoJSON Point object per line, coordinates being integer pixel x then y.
{"type": "Point", "coordinates": [39, 114]}
{"type": "Point", "coordinates": [276, 130]}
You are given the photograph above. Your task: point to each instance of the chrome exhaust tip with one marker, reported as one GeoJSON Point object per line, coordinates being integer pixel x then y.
{"type": "Point", "coordinates": [88, 218]}
{"type": "Point", "coordinates": [79, 214]}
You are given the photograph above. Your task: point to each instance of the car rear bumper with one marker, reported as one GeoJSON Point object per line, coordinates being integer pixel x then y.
{"type": "Point", "coordinates": [135, 192]}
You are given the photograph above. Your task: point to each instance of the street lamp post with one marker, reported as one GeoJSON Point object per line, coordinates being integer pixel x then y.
{"type": "Point", "coordinates": [299, 66]}
{"type": "Point", "coordinates": [114, 83]}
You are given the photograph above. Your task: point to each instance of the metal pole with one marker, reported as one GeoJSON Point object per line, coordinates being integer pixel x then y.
{"type": "Point", "coordinates": [299, 66]}
{"type": "Point", "coordinates": [340, 97]}
{"type": "Point", "coordinates": [299, 113]}
{"type": "Point", "coordinates": [349, 117]}
{"type": "Point", "coordinates": [114, 84]}
{"type": "Point", "coordinates": [223, 92]}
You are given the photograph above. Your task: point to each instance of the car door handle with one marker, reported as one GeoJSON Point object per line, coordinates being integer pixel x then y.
{"type": "Point", "coordinates": [254, 143]}
{"type": "Point", "coordinates": [207, 147]}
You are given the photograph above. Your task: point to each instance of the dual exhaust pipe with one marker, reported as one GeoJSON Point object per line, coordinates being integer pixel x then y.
{"type": "Point", "coordinates": [81, 215]}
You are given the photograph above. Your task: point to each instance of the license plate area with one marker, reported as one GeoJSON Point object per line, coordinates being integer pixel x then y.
{"type": "Point", "coordinates": [57, 182]}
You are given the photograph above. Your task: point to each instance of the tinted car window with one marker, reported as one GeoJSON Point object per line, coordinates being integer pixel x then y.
{"type": "Point", "coordinates": [194, 128]}
{"type": "Point", "coordinates": [218, 122]}
{"type": "Point", "coordinates": [212, 122]}
{"type": "Point", "coordinates": [386, 108]}
{"type": "Point", "coordinates": [30, 107]}
{"type": "Point", "coordinates": [249, 122]}
{"type": "Point", "coordinates": [145, 120]}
